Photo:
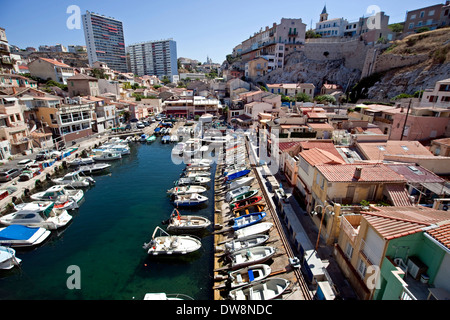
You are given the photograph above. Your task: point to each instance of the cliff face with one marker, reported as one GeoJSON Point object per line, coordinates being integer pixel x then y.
{"type": "Point", "coordinates": [412, 64]}
{"type": "Point", "coordinates": [298, 68]}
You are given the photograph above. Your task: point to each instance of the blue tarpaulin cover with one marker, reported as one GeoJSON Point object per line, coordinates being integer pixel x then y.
{"type": "Point", "coordinates": [17, 232]}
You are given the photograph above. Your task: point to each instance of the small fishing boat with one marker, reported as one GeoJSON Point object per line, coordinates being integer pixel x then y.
{"type": "Point", "coordinates": [158, 130]}
{"type": "Point", "coordinates": [245, 203]}
{"type": "Point", "coordinates": [259, 228]}
{"type": "Point", "coordinates": [38, 214]}
{"type": "Point", "coordinates": [246, 181]}
{"type": "Point", "coordinates": [22, 236]}
{"type": "Point", "coordinates": [250, 209]}
{"type": "Point", "coordinates": [186, 190]}
{"type": "Point", "coordinates": [151, 138]}
{"type": "Point", "coordinates": [8, 258]}
{"type": "Point", "coordinates": [267, 289]}
{"type": "Point", "coordinates": [199, 162]}
{"type": "Point", "coordinates": [246, 242]}
{"type": "Point", "coordinates": [246, 257]}
{"type": "Point", "coordinates": [74, 179]}
{"type": "Point", "coordinates": [192, 180]}
{"type": "Point", "coordinates": [166, 296]}
{"type": "Point", "coordinates": [163, 243]}
{"type": "Point", "coordinates": [244, 196]}
{"type": "Point", "coordinates": [247, 275]}
{"type": "Point", "coordinates": [165, 139]}
{"type": "Point", "coordinates": [143, 138]}
{"type": "Point", "coordinates": [237, 175]}
{"type": "Point", "coordinates": [94, 168]}
{"type": "Point", "coordinates": [189, 200]}
{"type": "Point", "coordinates": [122, 149]}
{"type": "Point", "coordinates": [106, 155]}
{"type": "Point", "coordinates": [59, 193]}
{"type": "Point", "coordinates": [236, 192]}
{"type": "Point", "coordinates": [196, 169]}
{"type": "Point", "coordinates": [80, 162]}
{"type": "Point", "coordinates": [186, 223]}
{"type": "Point", "coordinates": [248, 220]}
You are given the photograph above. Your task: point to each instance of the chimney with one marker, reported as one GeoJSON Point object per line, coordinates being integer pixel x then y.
{"type": "Point", "coordinates": [357, 174]}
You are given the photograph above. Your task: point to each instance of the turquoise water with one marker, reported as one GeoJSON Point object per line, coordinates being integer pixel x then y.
{"type": "Point", "coordinates": [106, 236]}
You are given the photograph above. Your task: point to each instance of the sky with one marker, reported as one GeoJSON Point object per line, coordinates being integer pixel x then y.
{"type": "Point", "coordinates": [201, 28]}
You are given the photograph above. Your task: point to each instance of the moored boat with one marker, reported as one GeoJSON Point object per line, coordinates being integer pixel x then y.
{"type": "Point", "coordinates": [246, 181]}
{"type": "Point", "coordinates": [259, 228]}
{"type": "Point", "coordinates": [247, 275]}
{"type": "Point", "coordinates": [267, 289]}
{"type": "Point", "coordinates": [186, 223]}
{"type": "Point", "coordinates": [80, 161]}
{"type": "Point", "coordinates": [246, 242]}
{"type": "Point", "coordinates": [186, 189]}
{"type": "Point", "coordinates": [166, 296]}
{"type": "Point", "coordinates": [106, 155]}
{"type": "Point", "coordinates": [250, 256]}
{"type": "Point", "coordinates": [244, 196]}
{"type": "Point", "coordinates": [248, 220]}
{"type": "Point", "coordinates": [237, 175]}
{"type": "Point", "coordinates": [189, 200]}
{"type": "Point", "coordinates": [94, 168]}
{"type": "Point", "coordinates": [22, 236]}
{"type": "Point", "coordinates": [245, 203]}
{"type": "Point", "coordinates": [236, 192]}
{"type": "Point", "coordinates": [163, 243]}
{"type": "Point", "coordinates": [74, 179]}
{"type": "Point", "coordinates": [38, 214]}
{"type": "Point", "coordinates": [192, 180]}
{"type": "Point", "coordinates": [8, 258]}
{"type": "Point", "coordinates": [59, 193]}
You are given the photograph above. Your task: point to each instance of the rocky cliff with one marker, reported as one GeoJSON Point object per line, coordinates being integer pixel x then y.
{"type": "Point", "coordinates": [406, 66]}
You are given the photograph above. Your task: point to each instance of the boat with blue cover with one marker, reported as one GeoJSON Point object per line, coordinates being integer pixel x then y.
{"type": "Point", "coordinates": [237, 175]}
{"type": "Point", "coordinates": [22, 236]}
{"type": "Point", "coordinates": [248, 220]}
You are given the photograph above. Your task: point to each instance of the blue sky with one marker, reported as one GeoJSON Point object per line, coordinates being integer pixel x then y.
{"type": "Point", "coordinates": [201, 28]}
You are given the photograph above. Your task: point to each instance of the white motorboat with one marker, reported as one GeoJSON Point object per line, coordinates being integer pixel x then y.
{"type": "Point", "coordinates": [186, 190]}
{"type": "Point", "coordinates": [174, 138]}
{"type": "Point", "coordinates": [267, 289]}
{"type": "Point", "coordinates": [258, 228]}
{"type": "Point", "coordinates": [245, 181]}
{"type": "Point", "coordinates": [247, 275]}
{"type": "Point", "coordinates": [8, 258]}
{"type": "Point", "coordinates": [178, 148]}
{"type": "Point", "coordinates": [186, 223]}
{"type": "Point", "coordinates": [192, 180]}
{"type": "Point", "coordinates": [38, 214]}
{"type": "Point", "coordinates": [199, 162]}
{"type": "Point", "coordinates": [247, 242]}
{"type": "Point", "coordinates": [22, 236]}
{"type": "Point", "coordinates": [94, 168]}
{"type": "Point", "coordinates": [59, 194]}
{"type": "Point", "coordinates": [194, 174]}
{"type": "Point", "coordinates": [236, 193]}
{"type": "Point", "coordinates": [189, 200]}
{"type": "Point", "coordinates": [166, 296]}
{"type": "Point", "coordinates": [106, 155]}
{"type": "Point", "coordinates": [74, 179]}
{"type": "Point", "coordinates": [249, 256]}
{"type": "Point", "coordinates": [197, 169]}
{"type": "Point", "coordinates": [120, 148]}
{"type": "Point", "coordinates": [80, 162]}
{"type": "Point", "coordinates": [163, 243]}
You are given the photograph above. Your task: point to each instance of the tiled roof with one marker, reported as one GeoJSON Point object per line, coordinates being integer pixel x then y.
{"type": "Point", "coordinates": [56, 62]}
{"type": "Point", "coordinates": [369, 173]}
{"type": "Point", "coordinates": [377, 150]}
{"type": "Point", "coordinates": [391, 228]}
{"type": "Point", "coordinates": [415, 174]}
{"type": "Point", "coordinates": [326, 145]}
{"type": "Point", "coordinates": [441, 234]}
{"type": "Point", "coordinates": [284, 146]}
{"type": "Point", "coordinates": [81, 76]}
{"type": "Point", "coordinates": [317, 156]}
{"type": "Point", "coordinates": [320, 126]}
{"type": "Point", "coordinates": [398, 195]}
{"type": "Point", "coordinates": [419, 214]}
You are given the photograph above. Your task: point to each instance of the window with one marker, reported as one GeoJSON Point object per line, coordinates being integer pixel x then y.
{"type": "Point", "coordinates": [413, 17]}
{"type": "Point", "coordinates": [362, 268]}
{"type": "Point", "coordinates": [422, 14]}
{"type": "Point", "coordinates": [349, 251]}
{"type": "Point", "coordinates": [411, 25]}
{"type": "Point", "coordinates": [431, 13]}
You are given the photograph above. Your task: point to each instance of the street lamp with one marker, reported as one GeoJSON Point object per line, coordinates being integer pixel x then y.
{"type": "Point", "coordinates": [321, 220]}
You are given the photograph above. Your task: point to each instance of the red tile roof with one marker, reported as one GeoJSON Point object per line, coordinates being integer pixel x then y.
{"type": "Point", "coordinates": [56, 62]}
{"type": "Point", "coordinates": [396, 222]}
{"type": "Point", "coordinates": [284, 146]}
{"type": "Point", "coordinates": [398, 195]}
{"type": "Point", "coordinates": [369, 173]}
{"type": "Point", "coordinates": [377, 150]}
{"type": "Point", "coordinates": [317, 156]}
{"type": "Point", "coordinates": [441, 234]}
{"type": "Point", "coordinates": [326, 145]}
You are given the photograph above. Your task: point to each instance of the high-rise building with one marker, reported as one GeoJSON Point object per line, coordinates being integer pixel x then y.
{"type": "Point", "coordinates": [105, 41]}
{"type": "Point", "coordinates": [157, 58]}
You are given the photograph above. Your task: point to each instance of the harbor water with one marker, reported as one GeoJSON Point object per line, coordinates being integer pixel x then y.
{"type": "Point", "coordinates": [103, 243]}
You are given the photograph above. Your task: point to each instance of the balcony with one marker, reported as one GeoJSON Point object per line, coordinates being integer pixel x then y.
{"type": "Point", "coordinates": [350, 226]}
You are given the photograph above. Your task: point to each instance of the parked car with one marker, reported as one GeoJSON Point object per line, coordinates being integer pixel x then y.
{"type": "Point", "coordinates": [9, 174]}
{"type": "Point", "coordinates": [43, 155]}
{"type": "Point", "coordinates": [140, 125]}
{"type": "Point", "coordinates": [26, 163]}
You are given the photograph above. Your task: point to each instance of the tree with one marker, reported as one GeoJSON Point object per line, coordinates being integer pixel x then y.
{"type": "Point", "coordinates": [396, 27]}
{"type": "Point", "coordinates": [302, 97]}
{"type": "Point", "coordinates": [310, 34]}
{"type": "Point", "coordinates": [165, 80]}
{"type": "Point", "coordinates": [326, 98]}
